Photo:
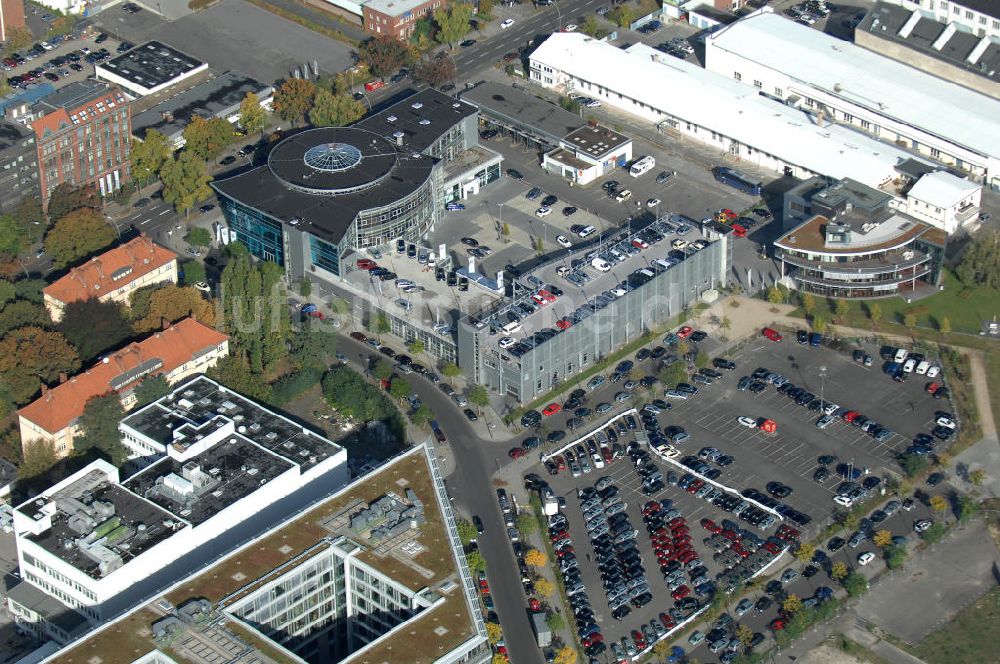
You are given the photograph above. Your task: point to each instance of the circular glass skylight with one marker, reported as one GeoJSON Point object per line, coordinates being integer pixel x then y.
{"type": "Point", "coordinates": [331, 157]}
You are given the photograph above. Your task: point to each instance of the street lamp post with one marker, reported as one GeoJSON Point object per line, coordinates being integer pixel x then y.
{"type": "Point", "coordinates": [822, 385]}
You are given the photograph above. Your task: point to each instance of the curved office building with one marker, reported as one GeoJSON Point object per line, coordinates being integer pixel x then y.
{"type": "Point", "coordinates": [325, 192]}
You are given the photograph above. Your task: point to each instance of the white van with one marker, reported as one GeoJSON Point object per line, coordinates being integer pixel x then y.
{"type": "Point", "coordinates": [587, 231]}
{"type": "Point", "coordinates": [662, 264]}
{"type": "Point", "coordinates": [600, 265]}
{"type": "Point", "coordinates": [647, 272]}
{"type": "Point", "coordinates": [511, 328]}
{"type": "Point", "coordinates": [923, 367]}
{"type": "Point", "coordinates": [900, 355]}
{"type": "Point", "coordinates": [909, 365]}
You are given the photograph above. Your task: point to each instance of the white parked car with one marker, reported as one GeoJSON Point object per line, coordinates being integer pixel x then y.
{"type": "Point", "coordinates": [945, 421]}
{"type": "Point", "coordinates": [564, 241]}
{"type": "Point", "coordinates": [679, 243]}
{"type": "Point", "coordinates": [909, 365]}
{"type": "Point", "coordinates": [922, 525]}
{"type": "Point", "coordinates": [748, 422]}
{"type": "Point", "coordinates": [572, 27]}
{"type": "Point", "coordinates": [543, 212]}
{"type": "Point", "coordinates": [933, 371]}
{"type": "Point", "coordinates": [506, 342]}
{"type": "Point", "coordinates": [506, 23]}
{"type": "Point", "coordinates": [623, 195]}
{"type": "Point", "coordinates": [865, 558]}
{"type": "Point", "coordinates": [652, 202]}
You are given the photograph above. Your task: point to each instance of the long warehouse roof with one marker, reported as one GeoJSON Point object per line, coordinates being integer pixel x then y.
{"type": "Point", "coordinates": [688, 92]}
{"type": "Point", "coordinates": [864, 78]}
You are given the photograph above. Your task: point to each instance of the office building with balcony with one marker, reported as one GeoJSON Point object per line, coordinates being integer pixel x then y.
{"type": "Point", "coordinates": [212, 470]}
{"type": "Point", "coordinates": [324, 193]}
{"type": "Point", "coordinates": [862, 253]}
{"type": "Point", "coordinates": [372, 572]}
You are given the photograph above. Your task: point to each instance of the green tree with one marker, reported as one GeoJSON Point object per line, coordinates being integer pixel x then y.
{"type": "Point", "coordinates": [479, 397]}
{"type": "Point", "coordinates": [293, 99]}
{"type": "Point", "coordinates": [818, 323]}
{"type": "Point", "coordinates": [382, 370]}
{"type": "Point", "coordinates": [527, 524]}
{"type": "Point", "coordinates": [701, 359]}
{"type": "Point", "coordinates": [485, 8]}
{"type": "Point", "coordinates": [421, 416]}
{"type": "Point", "coordinates": [913, 464]}
{"type": "Point", "coordinates": [333, 110]}
{"type": "Point", "coordinates": [855, 584]}
{"type": "Point", "coordinates": [838, 571]}
{"type": "Point", "coordinates": [910, 320]}
{"type": "Point", "coordinates": [30, 289]}
{"type": "Point", "coordinates": [945, 325]}
{"type": "Point", "coordinates": [980, 262]}
{"type": "Point", "coordinates": [875, 313]}
{"type": "Point", "coordinates": [66, 198]}
{"type": "Point", "coordinates": [207, 138]}
{"type": "Point", "coordinates": [555, 621]}
{"type": "Point", "coordinates": [895, 556]}
{"type": "Point", "coordinates": [39, 457]}
{"type": "Point", "coordinates": [199, 237]}
{"type": "Point", "coordinates": [622, 15]}
{"type": "Point", "coordinates": [966, 507]}
{"type": "Point", "coordinates": [382, 325]}
{"type": "Point", "coordinates": [384, 54]}
{"type": "Point", "coordinates": [453, 23]}
{"type": "Point", "coordinates": [234, 372]}
{"type": "Point", "coordinates": [253, 117]}
{"type": "Point", "coordinates": [475, 561]}
{"type": "Point", "coordinates": [774, 295]}
{"type": "Point", "coordinates": [172, 303]}
{"type": "Point", "coordinates": [30, 217]}
{"type": "Point", "coordinates": [94, 326]}
{"type": "Point", "coordinates": [194, 272]}
{"type": "Point", "coordinates": [590, 26]}
{"type": "Point", "coordinates": [416, 346]}
{"type": "Point", "coordinates": [76, 235]}
{"type": "Point", "coordinates": [149, 155]}
{"type": "Point", "coordinates": [185, 181]}
{"type": "Point", "coordinates": [977, 477]}
{"type": "Point", "coordinates": [434, 70]}
{"type": "Point", "coordinates": [99, 424]}
{"type": "Point", "coordinates": [570, 104]}
{"type": "Point", "coordinates": [842, 308]}
{"type": "Point", "coordinates": [12, 238]}
{"type": "Point", "coordinates": [256, 311]}
{"type": "Point", "coordinates": [451, 370]}
{"type": "Point", "coordinates": [934, 533]}
{"type": "Point", "coordinates": [673, 373]}
{"type": "Point", "coordinates": [467, 532]}
{"type": "Point", "coordinates": [150, 389]}
{"type": "Point", "coordinates": [808, 303]}
{"type": "Point", "coordinates": [7, 293]}
{"type": "Point", "coordinates": [18, 39]}
{"type": "Point", "coordinates": [400, 389]}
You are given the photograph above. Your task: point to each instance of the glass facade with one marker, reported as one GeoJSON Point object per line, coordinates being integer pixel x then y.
{"type": "Point", "coordinates": [409, 218]}
{"type": "Point", "coordinates": [324, 255]}
{"type": "Point", "coordinates": [261, 234]}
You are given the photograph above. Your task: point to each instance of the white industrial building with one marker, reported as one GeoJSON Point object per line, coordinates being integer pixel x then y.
{"type": "Point", "coordinates": [745, 125]}
{"type": "Point", "coordinates": [853, 86]}
{"type": "Point", "coordinates": [216, 469]}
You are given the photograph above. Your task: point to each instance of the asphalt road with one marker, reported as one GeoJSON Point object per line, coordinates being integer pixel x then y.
{"type": "Point", "coordinates": [472, 492]}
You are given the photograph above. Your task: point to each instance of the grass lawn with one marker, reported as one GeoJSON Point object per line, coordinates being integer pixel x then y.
{"type": "Point", "coordinates": [966, 309]}
{"type": "Point", "coordinates": [970, 638]}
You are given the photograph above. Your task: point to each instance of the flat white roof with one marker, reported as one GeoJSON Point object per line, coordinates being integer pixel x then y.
{"type": "Point", "coordinates": [688, 92]}
{"type": "Point", "coordinates": [864, 78]}
{"type": "Point", "coordinates": [942, 189]}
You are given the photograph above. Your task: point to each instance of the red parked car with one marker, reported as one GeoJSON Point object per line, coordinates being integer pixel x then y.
{"type": "Point", "coordinates": [366, 264]}
{"type": "Point", "coordinates": [711, 526]}
{"type": "Point", "coordinates": [681, 592]}
{"type": "Point", "coordinates": [516, 453]}
{"type": "Point", "coordinates": [551, 409]}
{"type": "Point", "coordinates": [685, 332]}
{"type": "Point", "coordinates": [773, 335]}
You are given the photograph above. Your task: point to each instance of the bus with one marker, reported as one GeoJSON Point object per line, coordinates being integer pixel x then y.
{"type": "Point", "coordinates": [738, 180]}
{"type": "Point", "coordinates": [641, 166]}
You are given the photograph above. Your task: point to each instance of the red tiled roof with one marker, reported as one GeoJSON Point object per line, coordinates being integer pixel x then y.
{"type": "Point", "coordinates": [61, 118]}
{"type": "Point", "coordinates": [53, 122]}
{"type": "Point", "coordinates": [96, 277]}
{"type": "Point", "coordinates": [180, 343]}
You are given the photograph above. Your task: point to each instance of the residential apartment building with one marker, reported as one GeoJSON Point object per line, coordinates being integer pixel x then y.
{"type": "Point", "coordinates": [83, 137]}
{"type": "Point", "coordinates": [113, 276]}
{"type": "Point", "coordinates": [18, 166]}
{"type": "Point", "coordinates": [181, 350]}
{"type": "Point", "coordinates": [216, 471]}
{"type": "Point", "coordinates": [844, 84]}
{"type": "Point", "coordinates": [372, 572]}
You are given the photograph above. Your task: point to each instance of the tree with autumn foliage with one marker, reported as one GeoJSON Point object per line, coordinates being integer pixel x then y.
{"type": "Point", "coordinates": [78, 234]}
{"type": "Point", "coordinates": [207, 138]}
{"type": "Point", "coordinates": [434, 70]}
{"type": "Point", "coordinates": [185, 181]}
{"type": "Point", "coordinates": [535, 558]}
{"type": "Point", "coordinates": [333, 110]}
{"type": "Point", "coordinates": [293, 99]}
{"type": "Point", "coordinates": [173, 303]}
{"type": "Point", "coordinates": [31, 356]}
{"type": "Point", "coordinates": [384, 54]}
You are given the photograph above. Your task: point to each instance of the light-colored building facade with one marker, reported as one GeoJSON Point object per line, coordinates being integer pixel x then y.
{"type": "Point", "coordinates": [982, 17]}
{"type": "Point", "coordinates": [841, 83]}
{"type": "Point", "coordinates": [943, 201]}
{"type": "Point", "coordinates": [216, 470]}
{"type": "Point", "coordinates": [334, 584]}
{"type": "Point", "coordinates": [683, 99]}
{"type": "Point", "coordinates": [113, 276]}
{"type": "Point", "coordinates": [588, 153]}
{"type": "Point", "coordinates": [182, 350]}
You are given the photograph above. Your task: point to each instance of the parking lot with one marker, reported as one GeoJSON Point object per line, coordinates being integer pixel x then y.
{"type": "Point", "coordinates": [734, 549]}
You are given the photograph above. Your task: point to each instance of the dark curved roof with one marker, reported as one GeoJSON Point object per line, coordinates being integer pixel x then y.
{"type": "Point", "coordinates": [333, 160]}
